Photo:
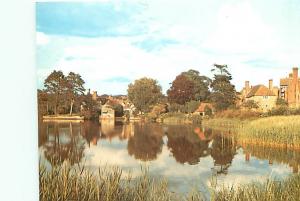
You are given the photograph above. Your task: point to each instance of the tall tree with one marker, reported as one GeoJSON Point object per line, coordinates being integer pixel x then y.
{"type": "Point", "coordinates": [223, 92]}
{"type": "Point", "coordinates": [144, 93]}
{"type": "Point", "coordinates": [55, 84]}
{"type": "Point", "coordinates": [201, 84]}
{"type": "Point", "coordinates": [74, 88]}
{"type": "Point", "coordinates": [181, 90]}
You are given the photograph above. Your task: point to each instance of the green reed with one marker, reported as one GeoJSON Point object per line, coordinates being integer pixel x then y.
{"type": "Point", "coordinates": [278, 130]}
{"type": "Point", "coordinates": [65, 182]}
{"type": "Point", "coordinates": [270, 190]}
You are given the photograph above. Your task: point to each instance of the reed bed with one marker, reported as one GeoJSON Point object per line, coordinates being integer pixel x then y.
{"type": "Point", "coordinates": [277, 131]}
{"type": "Point", "coordinates": [65, 182]}
{"type": "Point", "coordinates": [271, 190]}
{"type": "Point", "coordinates": [224, 123]}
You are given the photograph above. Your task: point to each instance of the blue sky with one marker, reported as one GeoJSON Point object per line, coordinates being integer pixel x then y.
{"type": "Point", "coordinates": [112, 43]}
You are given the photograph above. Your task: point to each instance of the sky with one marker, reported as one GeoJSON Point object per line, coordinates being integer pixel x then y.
{"type": "Point", "coordinates": [112, 43]}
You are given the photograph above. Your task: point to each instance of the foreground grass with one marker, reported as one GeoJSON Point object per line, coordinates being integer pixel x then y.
{"type": "Point", "coordinates": [277, 130]}
{"type": "Point", "coordinates": [63, 183]}
{"type": "Point", "coordinates": [288, 189]}
{"type": "Point", "coordinates": [67, 183]}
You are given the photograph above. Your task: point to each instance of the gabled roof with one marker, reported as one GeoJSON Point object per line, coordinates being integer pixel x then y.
{"type": "Point", "coordinates": [260, 90]}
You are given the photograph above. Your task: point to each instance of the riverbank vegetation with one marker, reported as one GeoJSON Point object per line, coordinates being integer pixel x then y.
{"type": "Point", "coordinates": [63, 183]}
{"type": "Point", "coordinates": [67, 183]}
{"type": "Point", "coordinates": [277, 130]}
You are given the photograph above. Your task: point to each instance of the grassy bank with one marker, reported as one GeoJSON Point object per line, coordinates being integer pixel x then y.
{"type": "Point", "coordinates": [224, 123]}
{"type": "Point", "coordinates": [64, 183]}
{"type": "Point", "coordinates": [277, 130]}
{"type": "Point", "coordinates": [180, 118]}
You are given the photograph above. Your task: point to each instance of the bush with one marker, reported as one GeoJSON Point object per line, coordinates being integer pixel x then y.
{"type": "Point", "coordinates": [118, 110]}
{"type": "Point", "coordinates": [250, 104]}
{"type": "Point", "coordinates": [191, 106]}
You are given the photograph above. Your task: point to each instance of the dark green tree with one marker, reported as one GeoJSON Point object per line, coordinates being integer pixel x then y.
{"type": "Point", "coordinates": [223, 93]}
{"type": "Point", "coordinates": [144, 93]}
{"type": "Point", "coordinates": [55, 84]}
{"type": "Point", "coordinates": [74, 88]}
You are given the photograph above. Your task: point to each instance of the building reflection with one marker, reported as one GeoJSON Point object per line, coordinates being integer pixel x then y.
{"type": "Point", "coordinates": [146, 143]}
{"type": "Point", "coordinates": [272, 154]}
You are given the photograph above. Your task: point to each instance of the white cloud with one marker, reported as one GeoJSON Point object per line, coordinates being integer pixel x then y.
{"type": "Point", "coordinates": [41, 38]}
{"type": "Point", "coordinates": [205, 33]}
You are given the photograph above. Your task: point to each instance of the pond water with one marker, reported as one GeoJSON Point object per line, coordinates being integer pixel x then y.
{"type": "Point", "coordinates": [187, 155]}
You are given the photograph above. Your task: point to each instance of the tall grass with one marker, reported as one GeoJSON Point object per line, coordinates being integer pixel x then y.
{"type": "Point", "coordinates": [277, 130]}
{"type": "Point", "coordinates": [224, 123]}
{"type": "Point", "coordinates": [65, 182]}
{"type": "Point", "coordinates": [270, 190]}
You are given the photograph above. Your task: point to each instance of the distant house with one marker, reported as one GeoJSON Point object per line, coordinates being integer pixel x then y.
{"type": "Point", "coordinates": [107, 112]}
{"type": "Point", "coordinates": [203, 108]}
{"type": "Point", "coordinates": [264, 97]}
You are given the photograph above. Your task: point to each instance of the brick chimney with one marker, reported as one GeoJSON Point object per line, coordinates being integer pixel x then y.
{"type": "Point", "coordinates": [295, 73]}
{"type": "Point", "coordinates": [247, 85]}
{"type": "Point", "coordinates": [270, 84]}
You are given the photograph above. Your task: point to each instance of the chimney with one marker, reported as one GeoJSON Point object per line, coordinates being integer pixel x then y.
{"type": "Point", "coordinates": [295, 73]}
{"type": "Point", "coordinates": [270, 84]}
{"type": "Point", "coordinates": [247, 86]}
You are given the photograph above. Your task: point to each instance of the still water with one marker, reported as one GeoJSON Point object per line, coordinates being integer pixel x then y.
{"type": "Point", "coordinates": [187, 155]}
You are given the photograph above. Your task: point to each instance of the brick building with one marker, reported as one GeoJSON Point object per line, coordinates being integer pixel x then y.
{"type": "Point", "coordinates": [290, 89]}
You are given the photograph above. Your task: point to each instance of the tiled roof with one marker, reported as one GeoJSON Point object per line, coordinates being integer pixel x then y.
{"type": "Point", "coordinates": [260, 90]}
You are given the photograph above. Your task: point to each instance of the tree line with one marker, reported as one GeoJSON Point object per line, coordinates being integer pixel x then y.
{"type": "Point", "coordinates": [186, 91]}
{"type": "Point", "coordinates": [66, 94]}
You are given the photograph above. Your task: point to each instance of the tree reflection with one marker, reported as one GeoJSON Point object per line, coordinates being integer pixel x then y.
{"type": "Point", "coordinates": [63, 143]}
{"type": "Point", "coordinates": [185, 146]}
{"type": "Point", "coordinates": [91, 132]}
{"type": "Point", "coordinates": [223, 151]}
{"type": "Point", "coordinates": [146, 143]}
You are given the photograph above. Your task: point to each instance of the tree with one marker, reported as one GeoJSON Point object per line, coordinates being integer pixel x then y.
{"type": "Point", "coordinates": [181, 90]}
{"type": "Point", "coordinates": [119, 112]}
{"type": "Point", "coordinates": [55, 84]}
{"type": "Point", "coordinates": [281, 102]}
{"type": "Point", "coordinates": [144, 93]}
{"type": "Point", "coordinates": [201, 84]}
{"type": "Point", "coordinates": [250, 104]}
{"type": "Point", "coordinates": [223, 92]}
{"type": "Point", "coordinates": [74, 88]}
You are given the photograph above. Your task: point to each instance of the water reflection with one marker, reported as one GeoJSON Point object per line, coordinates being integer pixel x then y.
{"type": "Point", "coordinates": [182, 153]}
{"type": "Point", "coordinates": [146, 143]}
{"type": "Point", "coordinates": [63, 142]}
{"type": "Point", "coordinates": [278, 155]}
{"type": "Point", "coordinates": [187, 148]}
